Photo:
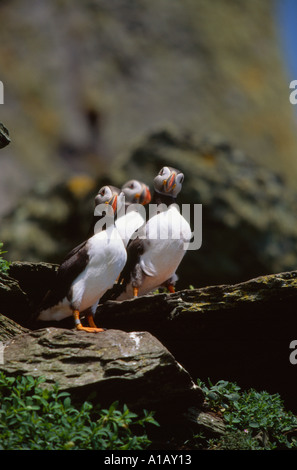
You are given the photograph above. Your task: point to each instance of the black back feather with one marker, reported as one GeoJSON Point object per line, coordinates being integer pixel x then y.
{"type": "Point", "coordinates": [135, 249]}
{"type": "Point", "coordinates": [73, 264]}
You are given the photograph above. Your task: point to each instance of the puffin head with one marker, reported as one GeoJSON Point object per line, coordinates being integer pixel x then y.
{"type": "Point", "coordinates": [169, 181]}
{"type": "Point", "coordinates": [136, 192]}
{"type": "Point", "coordinates": [112, 196]}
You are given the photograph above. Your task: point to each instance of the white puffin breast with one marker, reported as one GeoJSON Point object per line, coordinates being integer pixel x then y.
{"type": "Point", "coordinates": [107, 257]}
{"type": "Point", "coordinates": [168, 233]}
{"type": "Point", "coordinates": [128, 224]}
{"type": "Point", "coordinates": [167, 236]}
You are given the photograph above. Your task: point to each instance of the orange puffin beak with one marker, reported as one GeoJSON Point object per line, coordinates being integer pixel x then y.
{"type": "Point", "coordinates": [145, 196]}
{"type": "Point", "coordinates": [170, 182]}
{"type": "Point", "coordinates": [113, 202]}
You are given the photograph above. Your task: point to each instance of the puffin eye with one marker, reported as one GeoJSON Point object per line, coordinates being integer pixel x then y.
{"type": "Point", "coordinates": [131, 186]}
{"type": "Point", "coordinates": [161, 173]}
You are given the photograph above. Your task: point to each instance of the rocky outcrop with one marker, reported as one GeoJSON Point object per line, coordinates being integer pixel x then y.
{"type": "Point", "coordinates": [130, 367]}
{"type": "Point", "coordinates": [9, 329]}
{"type": "Point", "coordinates": [22, 290]}
{"type": "Point", "coordinates": [134, 368]}
{"type": "Point", "coordinates": [239, 332]}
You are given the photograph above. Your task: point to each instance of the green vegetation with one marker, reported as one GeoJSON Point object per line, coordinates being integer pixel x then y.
{"type": "Point", "coordinates": [34, 418]}
{"type": "Point", "coordinates": [254, 420]}
{"type": "Point", "coordinates": [4, 265]}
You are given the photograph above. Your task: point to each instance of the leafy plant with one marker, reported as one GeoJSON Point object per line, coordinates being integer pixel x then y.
{"type": "Point", "coordinates": [234, 440]}
{"type": "Point", "coordinates": [222, 395]}
{"type": "Point", "coordinates": [32, 417]}
{"type": "Point", "coordinates": [4, 265]}
{"type": "Point", "coordinates": [257, 418]}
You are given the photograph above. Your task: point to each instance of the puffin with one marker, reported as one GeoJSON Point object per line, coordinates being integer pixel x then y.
{"type": "Point", "coordinates": [89, 270]}
{"type": "Point", "coordinates": [136, 192]}
{"type": "Point", "coordinates": [154, 256]}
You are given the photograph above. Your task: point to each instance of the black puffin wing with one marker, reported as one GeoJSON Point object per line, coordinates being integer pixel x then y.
{"type": "Point", "coordinates": [135, 249]}
{"type": "Point", "coordinates": [73, 264]}
{"type": "Point", "coordinates": [74, 253]}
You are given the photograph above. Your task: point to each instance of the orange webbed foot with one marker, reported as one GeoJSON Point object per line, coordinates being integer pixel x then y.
{"type": "Point", "coordinates": [135, 291]}
{"type": "Point", "coordinates": [89, 329]}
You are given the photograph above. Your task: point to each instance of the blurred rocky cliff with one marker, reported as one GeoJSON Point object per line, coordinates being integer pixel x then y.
{"type": "Point", "coordinates": [103, 91]}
